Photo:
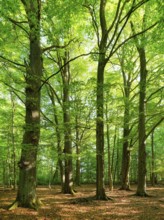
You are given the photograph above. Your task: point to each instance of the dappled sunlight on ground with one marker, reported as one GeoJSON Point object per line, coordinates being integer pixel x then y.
{"type": "Point", "coordinates": [57, 206]}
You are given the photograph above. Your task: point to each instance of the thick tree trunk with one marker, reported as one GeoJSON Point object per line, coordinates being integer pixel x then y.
{"type": "Point", "coordinates": [141, 189]}
{"type": "Point", "coordinates": [26, 196]}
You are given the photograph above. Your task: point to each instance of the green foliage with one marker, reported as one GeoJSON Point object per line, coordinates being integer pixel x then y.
{"type": "Point", "coordinates": [70, 23]}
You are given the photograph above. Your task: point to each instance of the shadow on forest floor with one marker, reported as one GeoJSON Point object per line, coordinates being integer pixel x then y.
{"type": "Point", "coordinates": [81, 206]}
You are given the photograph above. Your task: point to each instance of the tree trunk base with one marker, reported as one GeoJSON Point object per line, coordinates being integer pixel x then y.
{"type": "Point", "coordinates": [103, 198]}
{"type": "Point", "coordinates": [34, 204]}
{"type": "Point", "coordinates": [142, 194]}
{"type": "Point", "coordinates": [14, 205]}
{"type": "Point", "coordinates": [127, 188]}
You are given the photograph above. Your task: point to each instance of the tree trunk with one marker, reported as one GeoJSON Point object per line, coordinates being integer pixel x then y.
{"type": "Point", "coordinates": [100, 188]}
{"type": "Point", "coordinates": [13, 144]}
{"type": "Point", "coordinates": [109, 154]}
{"type": "Point", "coordinates": [58, 135]}
{"type": "Point", "coordinates": [68, 182]}
{"type": "Point", "coordinates": [77, 179]}
{"type": "Point", "coordinates": [141, 189]}
{"type": "Point", "coordinates": [26, 196]}
{"type": "Point", "coordinates": [125, 184]}
{"type": "Point", "coordinates": [153, 177]}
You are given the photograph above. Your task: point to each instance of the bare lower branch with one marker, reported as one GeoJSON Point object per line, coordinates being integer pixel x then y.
{"type": "Point", "coordinates": [154, 93]}
{"type": "Point", "coordinates": [11, 61]}
{"type": "Point", "coordinates": [56, 46]}
{"type": "Point", "coordinates": [17, 23]}
{"type": "Point", "coordinates": [131, 37]}
{"type": "Point", "coordinates": [154, 127]}
{"type": "Point", "coordinates": [134, 8]}
{"type": "Point", "coordinates": [75, 58]}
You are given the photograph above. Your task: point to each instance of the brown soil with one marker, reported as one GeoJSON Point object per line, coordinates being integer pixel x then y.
{"type": "Point", "coordinates": [57, 206]}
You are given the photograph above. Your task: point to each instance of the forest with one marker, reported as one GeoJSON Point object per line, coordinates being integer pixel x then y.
{"type": "Point", "coordinates": [82, 109]}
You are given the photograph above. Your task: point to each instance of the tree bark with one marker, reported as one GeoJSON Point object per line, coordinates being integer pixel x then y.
{"type": "Point", "coordinates": [125, 184]}
{"type": "Point", "coordinates": [100, 186]}
{"type": "Point", "coordinates": [77, 179]}
{"type": "Point", "coordinates": [153, 177]}
{"type": "Point", "coordinates": [109, 154]}
{"type": "Point", "coordinates": [13, 144]}
{"type": "Point", "coordinates": [100, 192]}
{"type": "Point", "coordinates": [68, 182]}
{"type": "Point", "coordinates": [26, 196]}
{"type": "Point", "coordinates": [141, 188]}
{"type": "Point", "coordinates": [58, 135]}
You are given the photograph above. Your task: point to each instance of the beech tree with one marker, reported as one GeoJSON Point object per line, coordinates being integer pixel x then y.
{"type": "Point", "coordinates": [108, 42]}
{"type": "Point", "coordinates": [91, 82]}
{"type": "Point", "coordinates": [26, 196]}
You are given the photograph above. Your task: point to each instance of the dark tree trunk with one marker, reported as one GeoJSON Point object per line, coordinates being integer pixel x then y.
{"type": "Point", "coordinates": [100, 186]}
{"type": "Point", "coordinates": [13, 145]}
{"type": "Point", "coordinates": [68, 182]}
{"type": "Point", "coordinates": [125, 184]}
{"type": "Point", "coordinates": [141, 189]}
{"type": "Point", "coordinates": [100, 191]}
{"type": "Point", "coordinates": [26, 196]}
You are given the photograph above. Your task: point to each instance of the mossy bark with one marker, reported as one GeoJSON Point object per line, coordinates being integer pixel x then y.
{"type": "Point", "coordinates": [26, 196]}
{"type": "Point", "coordinates": [141, 188]}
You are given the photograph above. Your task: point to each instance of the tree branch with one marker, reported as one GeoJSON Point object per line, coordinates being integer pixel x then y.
{"type": "Point", "coordinates": [13, 62]}
{"type": "Point", "coordinates": [154, 93]}
{"type": "Point", "coordinates": [154, 127]}
{"type": "Point", "coordinates": [131, 37]}
{"type": "Point", "coordinates": [56, 46]}
{"type": "Point", "coordinates": [17, 23]}
{"type": "Point", "coordinates": [134, 8]}
{"type": "Point", "coordinates": [75, 58]}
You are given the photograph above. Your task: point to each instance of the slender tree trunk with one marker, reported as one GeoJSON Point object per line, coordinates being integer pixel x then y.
{"type": "Point", "coordinates": [100, 187]}
{"type": "Point", "coordinates": [58, 135]}
{"type": "Point", "coordinates": [141, 189]}
{"type": "Point", "coordinates": [114, 148]}
{"type": "Point", "coordinates": [26, 196]}
{"type": "Point", "coordinates": [68, 182]}
{"type": "Point", "coordinates": [77, 179]}
{"type": "Point", "coordinates": [153, 160]}
{"type": "Point", "coordinates": [13, 144]}
{"type": "Point", "coordinates": [125, 184]}
{"type": "Point", "coordinates": [109, 154]}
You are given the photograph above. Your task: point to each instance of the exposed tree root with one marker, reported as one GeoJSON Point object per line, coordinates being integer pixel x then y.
{"type": "Point", "coordinates": [105, 198]}
{"type": "Point", "coordinates": [14, 205]}
{"type": "Point", "coordinates": [88, 200]}
{"type": "Point", "coordinates": [143, 194]}
{"type": "Point", "coordinates": [126, 189]}
{"type": "Point", "coordinates": [34, 204]}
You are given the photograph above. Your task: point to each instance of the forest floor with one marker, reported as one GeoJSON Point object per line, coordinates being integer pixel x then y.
{"type": "Point", "coordinates": [57, 206]}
